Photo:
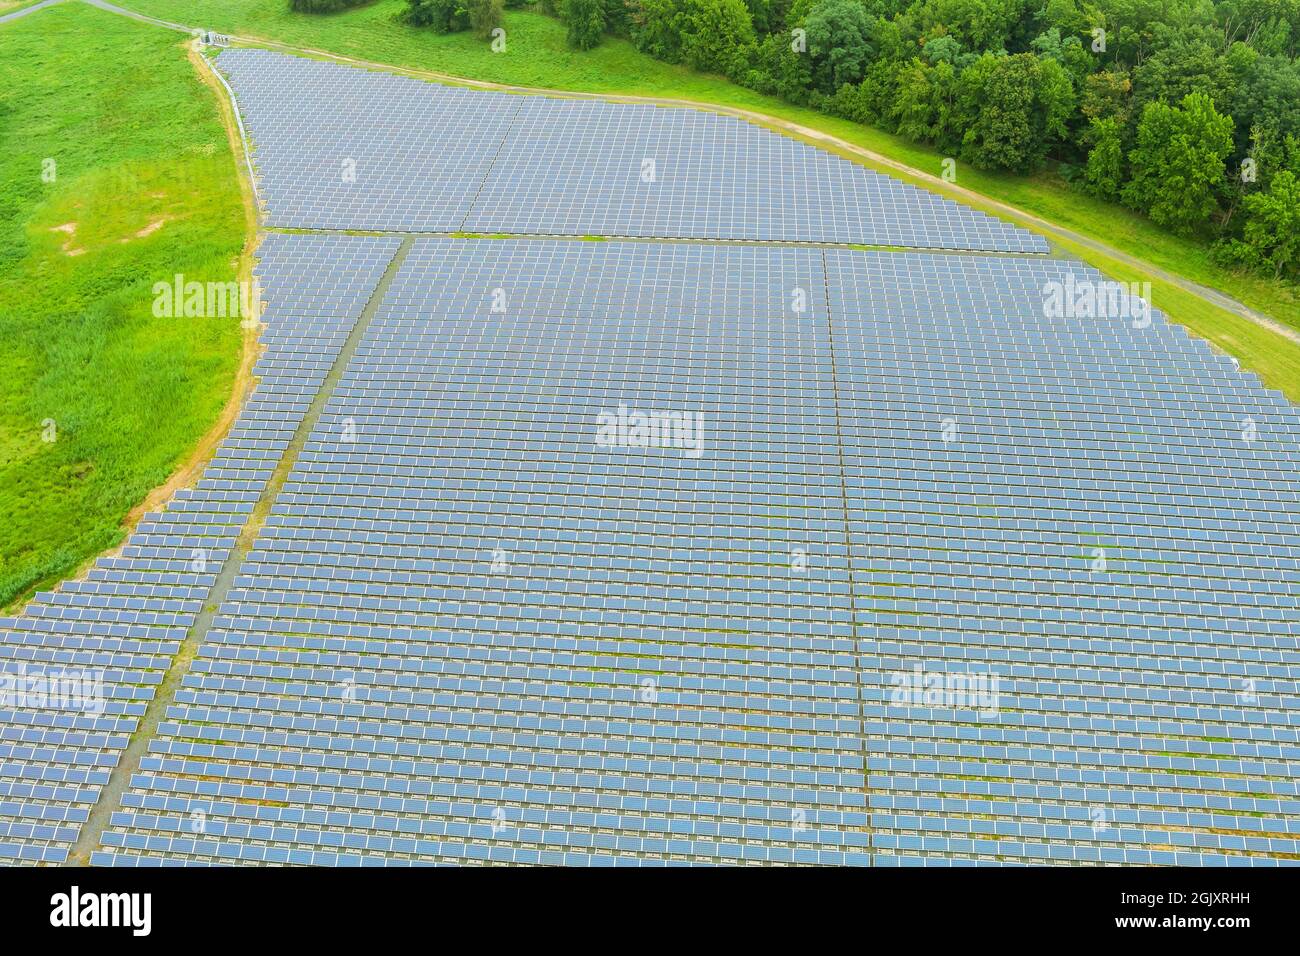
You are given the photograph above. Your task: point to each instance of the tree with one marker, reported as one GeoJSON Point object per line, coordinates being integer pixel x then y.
{"type": "Point", "coordinates": [1066, 17]}
{"type": "Point", "coordinates": [942, 49]}
{"type": "Point", "coordinates": [717, 35]}
{"type": "Point", "coordinates": [925, 103]}
{"type": "Point", "coordinates": [838, 44]}
{"type": "Point", "coordinates": [1134, 27]}
{"type": "Point", "coordinates": [997, 101]}
{"type": "Point", "coordinates": [1104, 172]}
{"type": "Point", "coordinates": [1178, 162]}
{"type": "Point", "coordinates": [712, 35]}
{"type": "Point", "coordinates": [1189, 63]}
{"type": "Point", "coordinates": [1054, 100]}
{"type": "Point", "coordinates": [878, 92]}
{"type": "Point", "coordinates": [761, 16]}
{"type": "Point", "coordinates": [1273, 223]}
{"type": "Point", "coordinates": [484, 16]}
{"type": "Point", "coordinates": [617, 19]}
{"type": "Point", "coordinates": [656, 29]}
{"type": "Point", "coordinates": [1268, 95]}
{"type": "Point", "coordinates": [781, 71]}
{"type": "Point", "coordinates": [1105, 95]}
{"type": "Point", "coordinates": [978, 24]}
{"type": "Point", "coordinates": [1012, 109]}
{"type": "Point", "coordinates": [913, 110]}
{"type": "Point", "coordinates": [444, 16]}
{"type": "Point", "coordinates": [585, 20]}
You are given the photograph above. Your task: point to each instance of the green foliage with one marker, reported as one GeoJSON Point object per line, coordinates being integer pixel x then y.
{"type": "Point", "coordinates": [838, 43]}
{"type": "Point", "coordinates": [1105, 95]}
{"type": "Point", "coordinates": [585, 20]}
{"type": "Point", "coordinates": [1271, 238]}
{"type": "Point", "coordinates": [778, 70]}
{"type": "Point", "coordinates": [1104, 172]}
{"type": "Point", "coordinates": [1066, 17]}
{"type": "Point", "coordinates": [655, 28]}
{"type": "Point", "coordinates": [977, 24]}
{"type": "Point", "coordinates": [715, 36]}
{"type": "Point", "coordinates": [1178, 162]}
{"type": "Point", "coordinates": [617, 17]}
{"type": "Point", "coordinates": [942, 49]}
{"type": "Point", "coordinates": [997, 97]}
{"type": "Point", "coordinates": [443, 16]}
{"type": "Point", "coordinates": [763, 15]}
{"type": "Point", "coordinates": [1012, 108]}
{"type": "Point", "coordinates": [136, 140]}
{"type": "Point", "coordinates": [484, 16]}
{"type": "Point", "coordinates": [1054, 102]}
{"type": "Point", "coordinates": [925, 105]}
{"type": "Point", "coordinates": [1267, 95]}
{"type": "Point", "coordinates": [1191, 63]}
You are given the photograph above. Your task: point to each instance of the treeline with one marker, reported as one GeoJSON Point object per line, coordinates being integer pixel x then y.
{"type": "Point", "coordinates": [448, 16]}
{"type": "Point", "coordinates": [1185, 110]}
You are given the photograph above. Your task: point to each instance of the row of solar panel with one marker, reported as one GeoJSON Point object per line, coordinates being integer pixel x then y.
{"type": "Point", "coordinates": [338, 147]}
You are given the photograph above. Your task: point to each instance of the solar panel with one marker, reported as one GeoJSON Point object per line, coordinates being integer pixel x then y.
{"type": "Point", "coordinates": [652, 552]}
{"type": "Point", "coordinates": [338, 147]}
{"type": "Point", "coordinates": [472, 632]}
{"type": "Point", "coordinates": [116, 632]}
{"type": "Point", "coordinates": [1070, 506]}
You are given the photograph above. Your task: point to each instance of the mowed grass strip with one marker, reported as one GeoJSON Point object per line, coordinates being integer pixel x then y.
{"type": "Point", "coordinates": [115, 174]}
{"type": "Point", "coordinates": [13, 6]}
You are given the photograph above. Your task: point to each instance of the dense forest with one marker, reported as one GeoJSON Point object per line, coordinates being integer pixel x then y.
{"type": "Point", "coordinates": [1185, 110]}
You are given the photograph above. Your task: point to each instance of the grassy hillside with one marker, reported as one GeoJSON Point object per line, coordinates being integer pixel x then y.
{"type": "Point", "coordinates": [143, 187]}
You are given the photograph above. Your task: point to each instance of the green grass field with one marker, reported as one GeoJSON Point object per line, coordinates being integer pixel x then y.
{"type": "Point", "coordinates": [144, 187]}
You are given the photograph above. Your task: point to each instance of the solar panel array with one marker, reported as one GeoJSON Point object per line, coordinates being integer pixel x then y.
{"type": "Point", "coordinates": [114, 632]}
{"type": "Point", "coordinates": [1103, 514]}
{"type": "Point", "coordinates": [339, 147]}
{"type": "Point", "coordinates": [472, 632]}
{"type": "Point", "coordinates": [628, 552]}
{"type": "Point", "coordinates": [469, 632]}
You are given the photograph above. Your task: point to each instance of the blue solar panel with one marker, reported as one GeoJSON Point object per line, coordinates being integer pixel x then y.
{"type": "Point", "coordinates": [650, 552]}
{"type": "Point", "coordinates": [118, 629]}
{"type": "Point", "coordinates": [473, 633]}
{"type": "Point", "coordinates": [339, 147]}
